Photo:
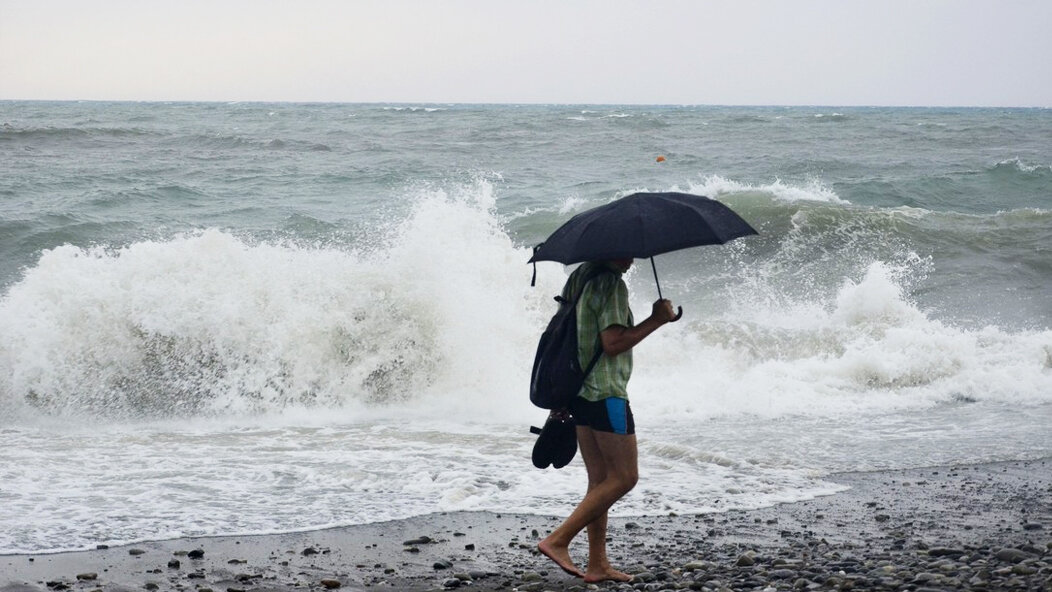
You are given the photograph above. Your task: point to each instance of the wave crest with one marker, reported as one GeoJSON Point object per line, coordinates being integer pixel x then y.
{"type": "Point", "coordinates": [1017, 166]}
{"type": "Point", "coordinates": [715, 186]}
{"type": "Point", "coordinates": [209, 324]}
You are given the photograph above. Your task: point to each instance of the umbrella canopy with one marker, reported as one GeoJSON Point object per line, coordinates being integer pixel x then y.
{"type": "Point", "coordinates": [642, 225]}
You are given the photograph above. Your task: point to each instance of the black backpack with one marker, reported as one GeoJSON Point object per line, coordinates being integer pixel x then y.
{"type": "Point", "coordinates": [557, 374]}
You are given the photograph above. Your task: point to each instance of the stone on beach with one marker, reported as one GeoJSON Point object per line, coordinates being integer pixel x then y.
{"type": "Point", "coordinates": [1012, 555]}
{"type": "Point", "coordinates": [945, 552]}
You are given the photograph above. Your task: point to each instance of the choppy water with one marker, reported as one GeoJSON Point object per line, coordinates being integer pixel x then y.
{"type": "Point", "coordinates": [234, 318]}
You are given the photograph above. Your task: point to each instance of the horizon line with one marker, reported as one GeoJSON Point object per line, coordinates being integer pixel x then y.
{"type": "Point", "coordinates": [523, 103]}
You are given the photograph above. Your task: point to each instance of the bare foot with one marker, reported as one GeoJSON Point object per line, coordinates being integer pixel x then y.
{"type": "Point", "coordinates": [561, 557]}
{"type": "Point", "coordinates": [606, 574]}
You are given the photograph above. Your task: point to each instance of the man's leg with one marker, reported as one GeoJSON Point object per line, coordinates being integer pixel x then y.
{"type": "Point", "coordinates": [596, 466]}
{"type": "Point", "coordinates": [555, 547]}
{"type": "Point", "coordinates": [612, 463]}
{"type": "Point", "coordinates": [625, 462]}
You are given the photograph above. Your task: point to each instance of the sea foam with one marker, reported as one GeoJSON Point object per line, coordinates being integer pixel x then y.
{"type": "Point", "coordinates": [210, 323]}
{"type": "Point", "coordinates": [715, 186]}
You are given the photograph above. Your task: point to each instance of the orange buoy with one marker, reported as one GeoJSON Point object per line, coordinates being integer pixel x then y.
{"type": "Point", "coordinates": [661, 159]}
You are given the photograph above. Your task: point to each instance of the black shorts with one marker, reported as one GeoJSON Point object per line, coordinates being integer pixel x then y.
{"type": "Point", "coordinates": [612, 414]}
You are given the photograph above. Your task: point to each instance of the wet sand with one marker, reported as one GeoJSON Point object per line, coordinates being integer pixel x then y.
{"type": "Point", "coordinates": [974, 527]}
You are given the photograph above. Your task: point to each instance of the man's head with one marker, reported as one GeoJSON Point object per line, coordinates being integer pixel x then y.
{"type": "Point", "coordinates": [621, 265]}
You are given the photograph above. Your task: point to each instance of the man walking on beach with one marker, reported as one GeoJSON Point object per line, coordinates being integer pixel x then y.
{"type": "Point", "coordinates": [605, 428]}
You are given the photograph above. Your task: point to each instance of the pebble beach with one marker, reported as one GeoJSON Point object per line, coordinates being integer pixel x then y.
{"type": "Point", "coordinates": [970, 527]}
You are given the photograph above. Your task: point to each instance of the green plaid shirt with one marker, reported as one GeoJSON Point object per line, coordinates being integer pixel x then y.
{"type": "Point", "coordinates": [603, 305]}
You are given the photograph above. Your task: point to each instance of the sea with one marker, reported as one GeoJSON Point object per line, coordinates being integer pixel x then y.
{"type": "Point", "coordinates": [246, 318]}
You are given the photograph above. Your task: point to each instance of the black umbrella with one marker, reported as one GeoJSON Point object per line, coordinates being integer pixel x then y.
{"type": "Point", "coordinates": [642, 225]}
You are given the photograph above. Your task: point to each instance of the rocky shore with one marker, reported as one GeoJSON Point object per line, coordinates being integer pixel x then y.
{"type": "Point", "coordinates": [978, 527]}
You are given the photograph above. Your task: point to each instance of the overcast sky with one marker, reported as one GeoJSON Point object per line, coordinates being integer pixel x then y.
{"type": "Point", "coordinates": [740, 52]}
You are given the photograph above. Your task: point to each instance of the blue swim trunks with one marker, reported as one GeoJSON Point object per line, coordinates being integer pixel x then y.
{"type": "Point", "coordinates": [612, 414]}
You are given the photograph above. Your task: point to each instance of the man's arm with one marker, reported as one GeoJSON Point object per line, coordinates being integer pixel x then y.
{"type": "Point", "coordinates": [618, 339]}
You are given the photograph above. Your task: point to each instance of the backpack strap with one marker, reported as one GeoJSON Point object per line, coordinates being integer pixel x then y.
{"type": "Point", "coordinates": [599, 270]}
{"type": "Point", "coordinates": [595, 358]}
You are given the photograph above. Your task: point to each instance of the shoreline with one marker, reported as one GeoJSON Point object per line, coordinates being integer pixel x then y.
{"type": "Point", "coordinates": [956, 527]}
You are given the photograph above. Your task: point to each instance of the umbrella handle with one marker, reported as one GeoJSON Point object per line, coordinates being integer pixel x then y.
{"type": "Point", "coordinates": [654, 267]}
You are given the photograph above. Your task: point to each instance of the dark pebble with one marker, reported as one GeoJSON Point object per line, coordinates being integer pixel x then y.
{"type": "Point", "coordinates": [174, 564]}
{"type": "Point", "coordinates": [330, 584]}
{"type": "Point", "coordinates": [644, 577]}
{"type": "Point", "coordinates": [418, 541]}
{"type": "Point", "coordinates": [196, 554]}
{"type": "Point", "coordinates": [442, 564]}
{"type": "Point", "coordinates": [135, 551]}
{"type": "Point", "coordinates": [1012, 555]}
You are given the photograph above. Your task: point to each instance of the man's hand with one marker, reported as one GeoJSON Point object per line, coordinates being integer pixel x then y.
{"type": "Point", "coordinates": [662, 311]}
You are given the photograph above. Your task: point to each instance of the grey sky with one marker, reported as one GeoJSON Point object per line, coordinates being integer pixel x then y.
{"type": "Point", "coordinates": [825, 52]}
